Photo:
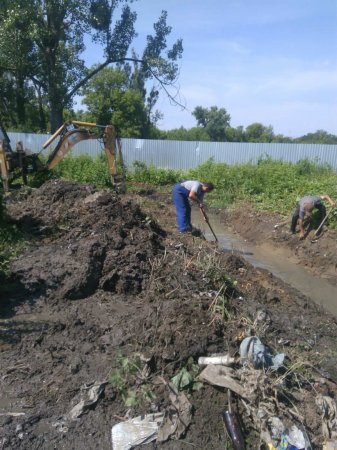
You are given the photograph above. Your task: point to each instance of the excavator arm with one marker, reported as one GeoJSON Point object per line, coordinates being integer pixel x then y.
{"type": "Point", "coordinates": [70, 134]}
{"type": "Point", "coordinates": [73, 132]}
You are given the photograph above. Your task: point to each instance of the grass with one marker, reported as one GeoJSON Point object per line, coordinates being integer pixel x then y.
{"type": "Point", "coordinates": [269, 185]}
{"type": "Point", "coordinates": [12, 243]}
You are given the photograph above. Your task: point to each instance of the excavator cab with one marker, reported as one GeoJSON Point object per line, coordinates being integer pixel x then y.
{"type": "Point", "coordinates": [14, 161]}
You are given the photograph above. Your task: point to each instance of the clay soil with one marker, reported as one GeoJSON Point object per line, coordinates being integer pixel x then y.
{"type": "Point", "coordinates": [105, 279]}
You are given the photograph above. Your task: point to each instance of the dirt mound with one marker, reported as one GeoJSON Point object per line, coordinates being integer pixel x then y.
{"type": "Point", "coordinates": [105, 299]}
{"type": "Point", "coordinates": [89, 240]}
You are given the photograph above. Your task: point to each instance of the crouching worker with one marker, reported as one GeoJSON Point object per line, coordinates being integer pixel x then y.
{"type": "Point", "coordinates": [306, 206]}
{"type": "Point", "coordinates": [182, 193]}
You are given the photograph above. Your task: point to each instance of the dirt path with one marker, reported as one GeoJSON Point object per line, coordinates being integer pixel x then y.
{"type": "Point", "coordinates": [110, 291]}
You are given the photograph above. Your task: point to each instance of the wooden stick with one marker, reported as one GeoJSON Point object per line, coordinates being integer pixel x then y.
{"type": "Point", "coordinates": [207, 221]}
{"type": "Point", "coordinates": [323, 222]}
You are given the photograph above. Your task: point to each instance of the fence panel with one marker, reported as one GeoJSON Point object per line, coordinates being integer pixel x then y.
{"type": "Point", "coordinates": [188, 154]}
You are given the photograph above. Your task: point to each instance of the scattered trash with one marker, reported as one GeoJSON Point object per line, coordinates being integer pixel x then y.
{"type": "Point", "coordinates": [328, 407]}
{"type": "Point", "coordinates": [252, 350]}
{"type": "Point", "coordinates": [89, 399]}
{"type": "Point", "coordinates": [60, 426]}
{"type": "Point", "coordinates": [225, 360]}
{"type": "Point", "coordinates": [294, 439]}
{"type": "Point", "coordinates": [178, 418]}
{"type": "Point", "coordinates": [136, 431]}
{"type": "Point", "coordinates": [222, 376]}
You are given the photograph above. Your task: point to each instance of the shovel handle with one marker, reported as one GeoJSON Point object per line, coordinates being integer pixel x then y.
{"type": "Point", "coordinates": [323, 222]}
{"type": "Point", "coordinates": [207, 221]}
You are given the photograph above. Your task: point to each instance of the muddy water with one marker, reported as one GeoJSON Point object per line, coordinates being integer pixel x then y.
{"type": "Point", "coordinates": [275, 261]}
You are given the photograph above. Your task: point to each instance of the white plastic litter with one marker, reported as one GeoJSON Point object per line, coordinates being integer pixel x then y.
{"type": "Point", "coordinates": [89, 399]}
{"type": "Point", "coordinates": [225, 360]}
{"type": "Point", "coordinates": [136, 431]}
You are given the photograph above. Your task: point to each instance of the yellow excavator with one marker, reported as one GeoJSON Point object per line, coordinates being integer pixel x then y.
{"type": "Point", "coordinates": [70, 133]}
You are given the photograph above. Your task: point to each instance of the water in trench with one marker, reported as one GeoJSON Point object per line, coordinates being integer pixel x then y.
{"type": "Point", "coordinates": [275, 261]}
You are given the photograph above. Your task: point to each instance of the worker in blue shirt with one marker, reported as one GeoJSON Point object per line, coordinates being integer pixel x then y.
{"type": "Point", "coordinates": [182, 193]}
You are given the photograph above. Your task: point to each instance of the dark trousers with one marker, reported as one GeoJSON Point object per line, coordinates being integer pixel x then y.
{"type": "Point", "coordinates": [322, 213]}
{"type": "Point", "coordinates": [183, 208]}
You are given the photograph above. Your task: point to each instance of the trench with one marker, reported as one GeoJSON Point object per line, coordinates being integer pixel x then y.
{"type": "Point", "coordinates": [275, 260]}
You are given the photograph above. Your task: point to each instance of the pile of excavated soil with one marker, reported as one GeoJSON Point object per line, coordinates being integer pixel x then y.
{"type": "Point", "coordinates": [102, 286]}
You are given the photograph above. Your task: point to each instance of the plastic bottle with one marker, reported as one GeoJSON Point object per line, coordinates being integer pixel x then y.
{"type": "Point", "coordinates": [224, 360]}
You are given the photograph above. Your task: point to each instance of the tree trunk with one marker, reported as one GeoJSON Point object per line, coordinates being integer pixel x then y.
{"type": "Point", "coordinates": [56, 116]}
{"type": "Point", "coordinates": [20, 100]}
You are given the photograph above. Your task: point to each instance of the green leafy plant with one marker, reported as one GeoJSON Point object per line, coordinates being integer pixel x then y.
{"type": "Point", "coordinates": [186, 377]}
{"type": "Point", "coordinates": [129, 379]}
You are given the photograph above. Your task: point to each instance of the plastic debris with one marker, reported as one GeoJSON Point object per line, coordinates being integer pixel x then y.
{"type": "Point", "coordinates": [89, 399]}
{"type": "Point", "coordinates": [328, 407]}
{"type": "Point", "coordinates": [177, 418]}
{"type": "Point", "coordinates": [252, 350]}
{"type": "Point", "coordinates": [222, 376]}
{"type": "Point", "coordinates": [225, 360]}
{"type": "Point", "coordinates": [136, 431]}
{"type": "Point", "coordinates": [294, 439]}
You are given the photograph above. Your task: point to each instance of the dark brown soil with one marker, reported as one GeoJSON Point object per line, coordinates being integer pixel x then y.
{"type": "Point", "coordinates": [108, 278]}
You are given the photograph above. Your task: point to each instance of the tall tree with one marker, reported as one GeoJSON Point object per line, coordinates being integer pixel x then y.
{"type": "Point", "coordinates": [109, 99]}
{"type": "Point", "coordinates": [53, 33]}
{"type": "Point", "coordinates": [215, 121]}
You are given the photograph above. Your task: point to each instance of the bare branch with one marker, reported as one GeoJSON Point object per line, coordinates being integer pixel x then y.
{"type": "Point", "coordinates": [135, 60]}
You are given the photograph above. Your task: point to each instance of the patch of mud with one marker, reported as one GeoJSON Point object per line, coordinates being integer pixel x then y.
{"type": "Point", "coordinates": [317, 253]}
{"type": "Point", "coordinates": [104, 282]}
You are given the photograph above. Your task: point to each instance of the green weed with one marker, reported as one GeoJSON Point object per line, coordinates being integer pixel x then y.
{"type": "Point", "coordinates": [12, 243]}
{"type": "Point", "coordinates": [129, 379]}
{"type": "Point", "coordinates": [186, 377]}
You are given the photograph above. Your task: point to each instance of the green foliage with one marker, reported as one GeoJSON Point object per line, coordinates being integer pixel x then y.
{"type": "Point", "coordinates": [319, 137]}
{"type": "Point", "coordinates": [183, 134]}
{"type": "Point", "coordinates": [12, 243]}
{"type": "Point", "coordinates": [84, 169]}
{"type": "Point", "coordinates": [269, 185]}
{"type": "Point", "coordinates": [256, 132]}
{"type": "Point", "coordinates": [150, 174]}
{"type": "Point", "coordinates": [186, 377]}
{"type": "Point", "coordinates": [110, 99]}
{"type": "Point", "coordinates": [215, 121]}
{"type": "Point", "coordinates": [125, 379]}
{"type": "Point", "coordinates": [39, 38]}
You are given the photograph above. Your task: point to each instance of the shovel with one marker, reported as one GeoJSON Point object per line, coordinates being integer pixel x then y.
{"type": "Point", "coordinates": [233, 426]}
{"type": "Point", "coordinates": [323, 222]}
{"type": "Point", "coordinates": [207, 221]}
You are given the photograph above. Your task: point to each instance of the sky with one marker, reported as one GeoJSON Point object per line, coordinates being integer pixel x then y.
{"type": "Point", "coordinates": [267, 61]}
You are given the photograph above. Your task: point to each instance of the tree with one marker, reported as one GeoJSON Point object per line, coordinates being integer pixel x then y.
{"type": "Point", "coordinates": [256, 132]}
{"type": "Point", "coordinates": [50, 41]}
{"type": "Point", "coordinates": [319, 137]}
{"type": "Point", "coordinates": [183, 134]}
{"type": "Point", "coordinates": [215, 121]}
{"type": "Point", "coordinates": [110, 100]}
{"type": "Point", "coordinates": [235, 134]}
